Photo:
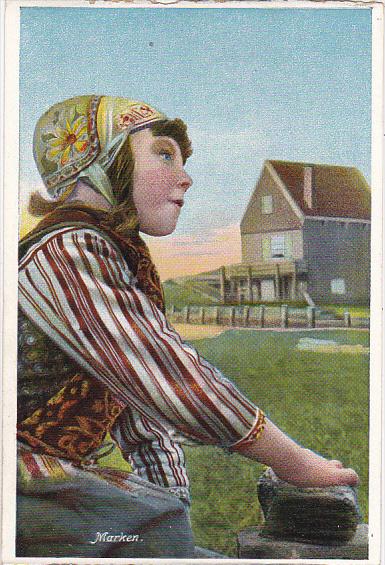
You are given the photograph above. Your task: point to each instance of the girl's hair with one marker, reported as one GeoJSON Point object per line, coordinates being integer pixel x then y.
{"type": "Point", "coordinates": [122, 217]}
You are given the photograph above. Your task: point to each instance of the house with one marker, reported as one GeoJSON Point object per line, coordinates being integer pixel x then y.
{"type": "Point", "coordinates": [305, 236]}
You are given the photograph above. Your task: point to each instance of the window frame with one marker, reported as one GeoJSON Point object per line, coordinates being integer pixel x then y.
{"type": "Point", "coordinates": [267, 204]}
{"type": "Point", "coordinates": [338, 286]}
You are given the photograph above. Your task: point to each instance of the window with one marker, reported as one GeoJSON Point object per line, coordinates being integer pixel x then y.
{"type": "Point", "coordinates": [338, 286]}
{"type": "Point", "coordinates": [278, 246]}
{"type": "Point", "coordinates": [267, 204]}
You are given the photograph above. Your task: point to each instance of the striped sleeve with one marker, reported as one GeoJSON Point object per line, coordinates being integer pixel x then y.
{"type": "Point", "coordinates": [75, 285]}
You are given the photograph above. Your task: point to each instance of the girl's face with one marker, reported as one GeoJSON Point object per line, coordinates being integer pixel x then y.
{"type": "Point", "coordinates": [159, 182]}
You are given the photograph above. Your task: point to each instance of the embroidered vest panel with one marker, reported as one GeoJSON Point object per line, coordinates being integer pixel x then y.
{"type": "Point", "coordinates": [61, 410]}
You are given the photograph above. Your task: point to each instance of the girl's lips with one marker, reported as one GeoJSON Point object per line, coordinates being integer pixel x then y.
{"type": "Point", "coordinates": [178, 203]}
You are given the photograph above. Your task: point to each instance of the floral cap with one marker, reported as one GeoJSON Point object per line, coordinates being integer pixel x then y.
{"type": "Point", "coordinates": [80, 137]}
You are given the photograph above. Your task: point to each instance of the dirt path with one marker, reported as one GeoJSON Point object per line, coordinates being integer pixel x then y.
{"type": "Point", "coordinates": [192, 331]}
{"type": "Point", "coordinates": [199, 331]}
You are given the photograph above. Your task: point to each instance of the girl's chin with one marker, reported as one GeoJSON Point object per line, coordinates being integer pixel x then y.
{"type": "Point", "coordinates": [159, 227]}
{"type": "Point", "coordinates": [158, 231]}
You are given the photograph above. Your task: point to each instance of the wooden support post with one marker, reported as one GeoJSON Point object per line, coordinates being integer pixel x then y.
{"type": "Point", "coordinates": [217, 317]}
{"type": "Point", "coordinates": [187, 314]}
{"type": "Point", "coordinates": [284, 316]}
{"type": "Point", "coordinates": [234, 290]}
{"type": "Point", "coordinates": [311, 317]}
{"type": "Point", "coordinates": [347, 319]}
{"type": "Point", "coordinates": [294, 286]}
{"type": "Point", "coordinates": [250, 284]}
{"type": "Point", "coordinates": [277, 283]}
{"type": "Point", "coordinates": [262, 315]}
{"type": "Point", "coordinates": [222, 280]}
{"type": "Point", "coordinates": [202, 315]}
{"type": "Point", "coordinates": [231, 290]}
{"type": "Point", "coordinates": [232, 315]}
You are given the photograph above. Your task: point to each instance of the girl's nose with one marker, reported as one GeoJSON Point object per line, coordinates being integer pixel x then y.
{"type": "Point", "coordinates": [185, 180]}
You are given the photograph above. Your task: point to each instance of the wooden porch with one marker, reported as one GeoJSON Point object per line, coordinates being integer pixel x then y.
{"type": "Point", "coordinates": [280, 280]}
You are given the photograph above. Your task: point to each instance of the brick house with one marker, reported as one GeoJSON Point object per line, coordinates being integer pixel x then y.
{"type": "Point", "coordinates": [305, 235]}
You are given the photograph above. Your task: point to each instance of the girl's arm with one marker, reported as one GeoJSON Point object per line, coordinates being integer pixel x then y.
{"type": "Point", "coordinates": [293, 463]}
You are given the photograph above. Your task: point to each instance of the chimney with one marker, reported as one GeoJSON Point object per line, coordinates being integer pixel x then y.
{"type": "Point", "coordinates": [308, 189]}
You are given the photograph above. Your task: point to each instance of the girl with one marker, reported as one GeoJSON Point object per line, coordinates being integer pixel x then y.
{"type": "Point", "coordinates": [97, 354]}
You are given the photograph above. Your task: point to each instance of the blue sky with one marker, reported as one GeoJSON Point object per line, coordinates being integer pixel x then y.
{"type": "Point", "coordinates": [252, 84]}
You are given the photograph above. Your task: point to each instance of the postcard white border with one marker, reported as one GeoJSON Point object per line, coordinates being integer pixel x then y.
{"type": "Point", "coordinates": [10, 250]}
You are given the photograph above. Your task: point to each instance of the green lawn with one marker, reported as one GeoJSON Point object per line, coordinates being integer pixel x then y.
{"type": "Point", "coordinates": [189, 292]}
{"type": "Point", "coordinates": [319, 399]}
{"type": "Point", "coordinates": [355, 311]}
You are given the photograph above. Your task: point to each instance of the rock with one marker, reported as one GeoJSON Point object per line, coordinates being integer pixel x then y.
{"type": "Point", "coordinates": [314, 515]}
{"type": "Point", "coordinates": [253, 545]}
{"type": "Point", "coordinates": [203, 553]}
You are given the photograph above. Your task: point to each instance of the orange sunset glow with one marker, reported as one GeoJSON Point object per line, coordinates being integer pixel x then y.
{"type": "Point", "coordinates": [181, 255]}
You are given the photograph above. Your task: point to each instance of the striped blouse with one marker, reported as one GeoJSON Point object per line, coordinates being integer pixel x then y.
{"type": "Point", "coordinates": [75, 285]}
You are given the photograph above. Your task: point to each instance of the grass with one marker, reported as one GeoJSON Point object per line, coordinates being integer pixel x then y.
{"type": "Point", "coordinates": [355, 311]}
{"type": "Point", "coordinates": [189, 292]}
{"type": "Point", "coordinates": [321, 400]}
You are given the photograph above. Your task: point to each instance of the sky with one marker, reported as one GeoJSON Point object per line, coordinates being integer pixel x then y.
{"type": "Point", "coordinates": [251, 84]}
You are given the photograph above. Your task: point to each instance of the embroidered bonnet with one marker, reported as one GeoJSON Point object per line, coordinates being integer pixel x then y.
{"type": "Point", "coordinates": [80, 137]}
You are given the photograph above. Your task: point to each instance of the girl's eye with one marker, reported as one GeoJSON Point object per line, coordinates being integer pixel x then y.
{"type": "Point", "coordinates": [166, 155]}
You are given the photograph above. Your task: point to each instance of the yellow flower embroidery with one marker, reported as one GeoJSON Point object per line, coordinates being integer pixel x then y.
{"type": "Point", "coordinates": [69, 137]}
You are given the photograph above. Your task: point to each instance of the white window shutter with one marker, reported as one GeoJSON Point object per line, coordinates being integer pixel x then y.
{"type": "Point", "coordinates": [266, 248]}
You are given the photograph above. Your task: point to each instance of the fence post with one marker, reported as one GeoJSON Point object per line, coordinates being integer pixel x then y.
{"type": "Point", "coordinates": [347, 319]}
{"type": "Point", "coordinates": [187, 314]}
{"type": "Point", "coordinates": [217, 315]}
{"type": "Point", "coordinates": [311, 317]}
{"type": "Point", "coordinates": [284, 316]}
{"type": "Point", "coordinates": [262, 315]}
{"type": "Point", "coordinates": [172, 309]}
{"type": "Point", "coordinates": [246, 315]}
{"type": "Point", "coordinates": [202, 315]}
{"type": "Point", "coordinates": [232, 315]}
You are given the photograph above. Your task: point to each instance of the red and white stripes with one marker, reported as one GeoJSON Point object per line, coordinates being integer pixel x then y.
{"type": "Point", "coordinates": [76, 287]}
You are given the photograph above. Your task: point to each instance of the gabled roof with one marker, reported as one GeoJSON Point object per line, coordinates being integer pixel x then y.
{"type": "Point", "coordinates": [340, 192]}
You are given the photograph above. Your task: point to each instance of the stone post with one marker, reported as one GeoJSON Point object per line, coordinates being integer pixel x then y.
{"type": "Point", "coordinates": [311, 317]}
{"type": "Point", "coordinates": [187, 314]}
{"type": "Point", "coordinates": [262, 315]}
{"type": "Point", "coordinates": [305, 523]}
{"type": "Point", "coordinates": [284, 316]}
{"type": "Point", "coordinates": [246, 315]}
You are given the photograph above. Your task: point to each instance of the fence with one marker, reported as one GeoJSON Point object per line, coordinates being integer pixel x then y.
{"type": "Point", "coordinates": [262, 316]}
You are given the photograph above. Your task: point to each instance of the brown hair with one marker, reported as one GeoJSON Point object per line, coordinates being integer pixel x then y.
{"type": "Point", "coordinates": [122, 217]}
